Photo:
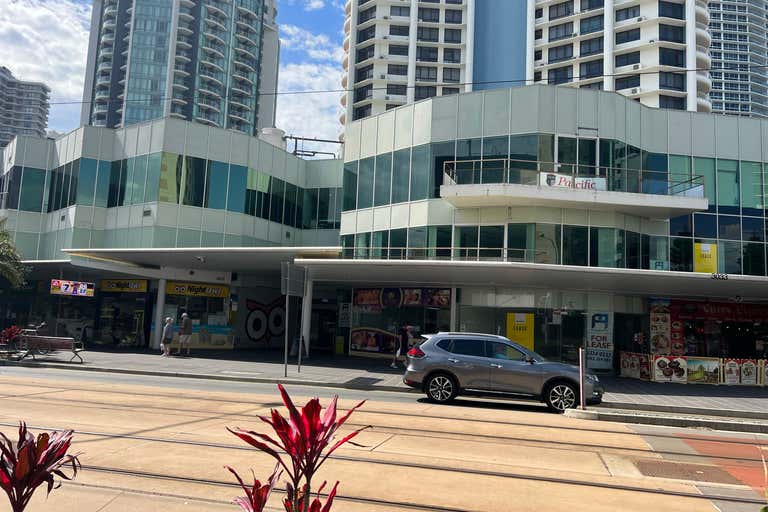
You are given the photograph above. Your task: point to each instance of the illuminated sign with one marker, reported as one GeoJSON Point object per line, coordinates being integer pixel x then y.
{"type": "Point", "coordinates": [73, 288]}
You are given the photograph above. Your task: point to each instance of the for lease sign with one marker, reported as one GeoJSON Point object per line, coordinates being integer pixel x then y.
{"type": "Point", "coordinates": [599, 343]}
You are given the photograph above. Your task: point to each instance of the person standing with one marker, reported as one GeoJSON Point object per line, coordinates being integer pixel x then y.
{"type": "Point", "coordinates": [167, 340]}
{"type": "Point", "coordinates": [401, 347]}
{"type": "Point", "coordinates": [185, 333]}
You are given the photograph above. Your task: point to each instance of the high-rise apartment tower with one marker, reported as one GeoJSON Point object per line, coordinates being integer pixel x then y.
{"type": "Point", "coordinates": [23, 107]}
{"type": "Point", "coordinates": [209, 61]}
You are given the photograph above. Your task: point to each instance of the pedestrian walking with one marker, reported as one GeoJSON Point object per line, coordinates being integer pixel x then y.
{"type": "Point", "coordinates": [185, 333]}
{"type": "Point", "coordinates": [165, 343]}
{"type": "Point", "coordinates": [402, 345]}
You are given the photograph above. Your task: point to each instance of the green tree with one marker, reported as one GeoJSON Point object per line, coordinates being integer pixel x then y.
{"type": "Point", "coordinates": [12, 270]}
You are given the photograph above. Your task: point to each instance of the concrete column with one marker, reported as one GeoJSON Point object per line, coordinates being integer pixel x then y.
{"type": "Point", "coordinates": [608, 43]}
{"type": "Point", "coordinates": [469, 58]}
{"type": "Point", "coordinates": [690, 54]}
{"type": "Point", "coordinates": [454, 312]}
{"type": "Point", "coordinates": [306, 313]}
{"type": "Point", "coordinates": [159, 320]}
{"type": "Point", "coordinates": [412, 33]}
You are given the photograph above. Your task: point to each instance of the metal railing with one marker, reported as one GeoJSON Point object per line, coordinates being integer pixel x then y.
{"type": "Point", "coordinates": [453, 253]}
{"type": "Point", "coordinates": [588, 177]}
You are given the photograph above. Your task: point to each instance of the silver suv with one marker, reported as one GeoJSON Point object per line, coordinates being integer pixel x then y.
{"type": "Point", "coordinates": [452, 363]}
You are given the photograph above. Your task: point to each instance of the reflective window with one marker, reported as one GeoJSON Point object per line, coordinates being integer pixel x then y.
{"type": "Point", "coordinates": [193, 183]}
{"type": "Point", "coordinates": [276, 199]}
{"type": "Point", "coordinates": [681, 254]}
{"type": "Point", "coordinates": [138, 181]}
{"type": "Point", "coordinates": [365, 183]}
{"type": "Point", "coordinates": [575, 245]}
{"type": "Point", "coordinates": [491, 242]}
{"type": "Point", "coordinates": [466, 242]}
{"type": "Point", "coordinates": [154, 167]}
{"type": "Point", "coordinates": [216, 190]}
{"type": "Point", "coordinates": [751, 188]}
{"type": "Point", "coordinates": [421, 172]}
{"type": "Point", "coordinates": [754, 259]}
{"type": "Point", "coordinates": [417, 243]}
{"type": "Point", "coordinates": [33, 187]}
{"type": "Point", "coordinates": [704, 225]}
{"type": "Point", "coordinates": [170, 178]}
{"type": "Point", "coordinates": [606, 247]}
{"type": "Point", "coordinates": [102, 184]}
{"type": "Point", "coordinates": [401, 166]}
{"type": "Point", "coordinates": [238, 183]}
{"type": "Point", "coordinates": [350, 186]}
{"type": "Point", "coordinates": [681, 226]}
{"type": "Point", "coordinates": [398, 240]}
{"type": "Point", "coordinates": [729, 256]}
{"type": "Point", "coordinates": [705, 168]}
{"type": "Point", "coordinates": [752, 229]}
{"type": "Point", "coordinates": [383, 179]}
{"type": "Point", "coordinates": [727, 186]}
{"type": "Point", "coordinates": [439, 241]}
{"type": "Point", "coordinates": [547, 248]}
{"type": "Point", "coordinates": [520, 242]}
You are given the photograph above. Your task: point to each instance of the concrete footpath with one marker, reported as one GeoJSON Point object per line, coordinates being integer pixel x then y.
{"type": "Point", "coordinates": [375, 374]}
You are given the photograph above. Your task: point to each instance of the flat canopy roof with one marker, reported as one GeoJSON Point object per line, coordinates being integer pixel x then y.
{"type": "Point", "coordinates": [532, 275]}
{"type": "Point", "coordinates": [229, 259]}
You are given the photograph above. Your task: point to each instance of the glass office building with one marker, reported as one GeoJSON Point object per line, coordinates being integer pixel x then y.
{"type": "Point", "coordinates": [196, 60]}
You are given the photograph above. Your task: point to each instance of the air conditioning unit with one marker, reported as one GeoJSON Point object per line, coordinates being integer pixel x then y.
{"type": "Point", "coordinates": [575, 34]}
{"type": "Point", "coordinates": [386, 17]}
{"type": "Point", "coordinates": [634, 90]}
{"type": "Point", "coordinates": [641, 18]}
{"type": "Point", "coordinates": [637, 66]}
{"type": "Point", "coordinates": [382, 76]}
{"type": "Point", "coordinates": [652, 41]}
{"type": "Point", "coordinates": [386, 98]}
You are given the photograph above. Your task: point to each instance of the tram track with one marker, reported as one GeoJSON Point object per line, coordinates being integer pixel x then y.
{"type": "Point", "coordinates": [390, 463]}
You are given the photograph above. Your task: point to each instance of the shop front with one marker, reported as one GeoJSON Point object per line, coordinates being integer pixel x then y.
{"type": "Point", "coordinates": [379, 314]}
{"type": "Point", "coordinates": [700, 342]}
{"type": "Point", "coordinates": [209, 308]}
{"type": "Point", "coordinates": [125, 308]}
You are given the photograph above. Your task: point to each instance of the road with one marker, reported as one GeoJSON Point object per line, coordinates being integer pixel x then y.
{"type": "Point", "coordinates": [158, 443]}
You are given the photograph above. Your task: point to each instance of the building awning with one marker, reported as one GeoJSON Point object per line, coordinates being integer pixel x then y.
{"type": "Point", "coordinates": [648, 283]}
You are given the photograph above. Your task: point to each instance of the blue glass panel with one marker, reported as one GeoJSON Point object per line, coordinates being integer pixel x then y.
{"type": "Point", "coordinates": [238, 179]}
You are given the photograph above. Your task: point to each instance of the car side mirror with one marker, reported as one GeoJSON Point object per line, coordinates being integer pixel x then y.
{"type": "Point", "coordinates": [530, 360]}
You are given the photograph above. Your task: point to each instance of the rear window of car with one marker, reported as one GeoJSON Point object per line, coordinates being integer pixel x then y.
{"type": "Point", "coordinates": [467, 347]}
{"type": "Point", "coordinates": [445, 344]}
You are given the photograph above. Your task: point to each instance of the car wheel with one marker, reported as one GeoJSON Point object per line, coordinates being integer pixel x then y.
{"type": "Point", "coordinates": [441, 388]}
{"type": "Point", "coordinates": [561, 396]}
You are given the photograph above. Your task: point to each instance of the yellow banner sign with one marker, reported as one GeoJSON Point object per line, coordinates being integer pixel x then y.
{"type": "Point", "coordinates": [124, 285]}
{"type": "Point", "coordinates": [197, 289]}
{"type": "Point", "coordinates": [705, 258]}
{"type": "Point", "coordinates": [520, 329]}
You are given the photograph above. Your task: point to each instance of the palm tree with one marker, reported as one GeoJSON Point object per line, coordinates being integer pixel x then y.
{"type": "Point", "coordinates": [12, 270]}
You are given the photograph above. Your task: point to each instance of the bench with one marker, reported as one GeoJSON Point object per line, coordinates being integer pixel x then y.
{"type": "Point", "coordinates": [43, 345]}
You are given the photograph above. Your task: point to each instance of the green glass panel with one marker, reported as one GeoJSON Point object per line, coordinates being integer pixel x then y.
{"type": "Point", "coordinates": [381, 194]}
{"type": "Point", "coordinates": [31, 190]}
{"type": "Point", "coordinates": [417, 243]}
{"type": "Point", "coordinates": [751, 185]}
{"type": "Point", "coordinates": [171, 172]}
{"type": "Point", "coordinates": [467, 242]}
{"type": "Point", "coordinates": [139, 179]}
{"type": "Point", "coordinates": [289, 211]}
{"type": "Point", "coordinates": [397, 242]}
{"type": "Point", "coordinates": [575, 245]}
{"type": "Point", "coordinates": [238, 181]}
{"type": "Point", "coordinates": [547, 245]}
{"type": "Point", "coordinates": [705, 169]}
{"type": "Point", "coordinates": [193, 182]}
{"type": "Point", "coordinates": [491, 242]}
{"type": "Point", "coordinates": [401, 170]}
{"type": "Point", "coordinates": [520, 244]}
{"type": "Point", "coordinates": [152, 188]}
{"type": "Point", "coordinates": [365, 183]}
{"type": "Point", "coordinates": [126, 182]}
{"type": "Point", "coordinates": [379, 244]}
{"type": "Point", "coordinates": [350, 186]}
{"type": "Point", "coordinates": [729, 257]}
{"type": "Point", "coordinates": [421, 173]}
{"type": "Point", "coordinates": [276, 199]}
{"type": "Point", "coordinates": [102, 184]}
{"type": "Point", "coordinates": [216, 187]}
{"type": "Point", "coordinates": [309, 209]}
{"type": "Point", "coordinates": [727, 183]}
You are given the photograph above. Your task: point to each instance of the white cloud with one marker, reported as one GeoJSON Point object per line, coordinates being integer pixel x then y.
{"type": "Point", "coordinates": [316, 46]}
{"type": "Point", "coordinates": [310, 115]}
{"type": "Point", "coordinates": [313, 5]}
{"type": "Point", "coordinates": [47, 41]}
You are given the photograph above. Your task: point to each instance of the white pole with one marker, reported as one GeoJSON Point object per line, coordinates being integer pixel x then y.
{"type": "Point", "coordinates": [582, 405]}
{"type": "Point", "coordinates": [159, 307]}
{"type": "Point", "coordinates": [287, 316]}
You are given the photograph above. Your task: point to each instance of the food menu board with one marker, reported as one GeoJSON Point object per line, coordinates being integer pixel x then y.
{"type": "Point", "coordinates": [660, 327]}
{"type": "Point", "coordinates": [741, 371]}
{"type": "Point", "coordinates": [731, 371]}
{"type": "Point", "coordinates": [703, 370]}
{"type": "Point", "coordinates": [375, 299]}
{"type": "Point", "coordinates": [635, 365]}
{"type": "Point", "coordinates": [670, 369]}
{"type": "Point", "coordinates": [764, 371]}
{"type": "Point", "coordinates": [749, 372]}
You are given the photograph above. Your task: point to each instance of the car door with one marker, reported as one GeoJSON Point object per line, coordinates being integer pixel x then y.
{"type": "Point", "coordinates": [466, 360]}
{"type": "Point", "coordinates": [510, 372]}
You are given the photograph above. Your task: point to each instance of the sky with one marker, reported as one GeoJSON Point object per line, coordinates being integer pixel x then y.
{"type": "Point", "coordinates": [47, 41]}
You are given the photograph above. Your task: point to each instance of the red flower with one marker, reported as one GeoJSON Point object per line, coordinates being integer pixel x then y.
{"type": "Point", "coordinates": [256, 497]}
{"type": "Point", "coordinates": [32, 462]}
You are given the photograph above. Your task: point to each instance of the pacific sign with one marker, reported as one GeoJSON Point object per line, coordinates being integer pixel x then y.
{"type": "Point", "coordinates": [551, 179]}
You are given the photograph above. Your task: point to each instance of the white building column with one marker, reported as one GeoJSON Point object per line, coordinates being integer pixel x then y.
{"type": "Point", "coordinates": [454, 312]}
{"type": "Point", "coordinates": [530, 37]}
{"type": "Point", "coordinates": [306, 313]}
{"type": "Point", "coordinates": [690, 54]}
{"type": "Point", "coordinates": [159, 320]}
{"type": "Point", "coordinates": [469, 58]}
{"type": "Point", "coordinates": [609, 39]}
{"type": "Point", "coordinates": [412, 33]}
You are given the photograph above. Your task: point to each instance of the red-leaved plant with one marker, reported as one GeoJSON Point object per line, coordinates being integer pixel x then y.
{"type": "Point", "coordinates": [307, 438]}
{"type": "Point", "coordinates": [9, 334]}
{"type": "Point", "coordinates": [256, 496]}
{"type": "Point", "coordinates": [30, 463]}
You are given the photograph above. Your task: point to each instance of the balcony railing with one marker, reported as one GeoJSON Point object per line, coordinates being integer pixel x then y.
{"type": "Point", "coordinates": [575, 176]}
{"type": "Point", "coordinates": [455, 253]}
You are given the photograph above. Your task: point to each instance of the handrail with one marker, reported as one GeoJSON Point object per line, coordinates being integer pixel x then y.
{"type": "Point", "coordinates": [579, 176]}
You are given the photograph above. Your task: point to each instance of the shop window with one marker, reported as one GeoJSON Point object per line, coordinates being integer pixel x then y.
{"type": "Point", "coordinates": [751, 188]}
{"type": "Point", "coordinates": [705, 168]}
{"type": "Point", "coordinates": [238, 180]}
{"type": "Point", "coordinates": [398, 239]}
{"type": "Point", "coordinates": [547, 245]}
{"type": "Point", "coordinates": [491, 242]}
{"type": "Point", "coordinates": [216, 189]}
{"type": "Point", "coordinates": [401, 171]}
{"type": "Point", "coordinates": [466, 242]}
{"type": "Point", "coordinates": [575, 245]}
{"type": "Point", "coordinates": [729, 227]}
{"type": "Point", "coordinates": [383, 179]}
{"type": "Point", "coordinates": [520, 238]}
{"type": "Point", "coordinates": [681, 254]}
{"type": "Point", "coordinates": [754, 259]}
{"type": "Point", "coordinates": [606, 247]}
{"type": "Point", "coordinates": [704, 225]}
{"type": "Point", "coordinates": [193, 183]}
{"type": "Point", "coordinates": [729, 257]}
{"type": "Point", "coordinates": [752, 229]}
{"type": "Point", "coordinates": [681, 226]}
{"type": "Point", "coordinates": [349, 201]}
